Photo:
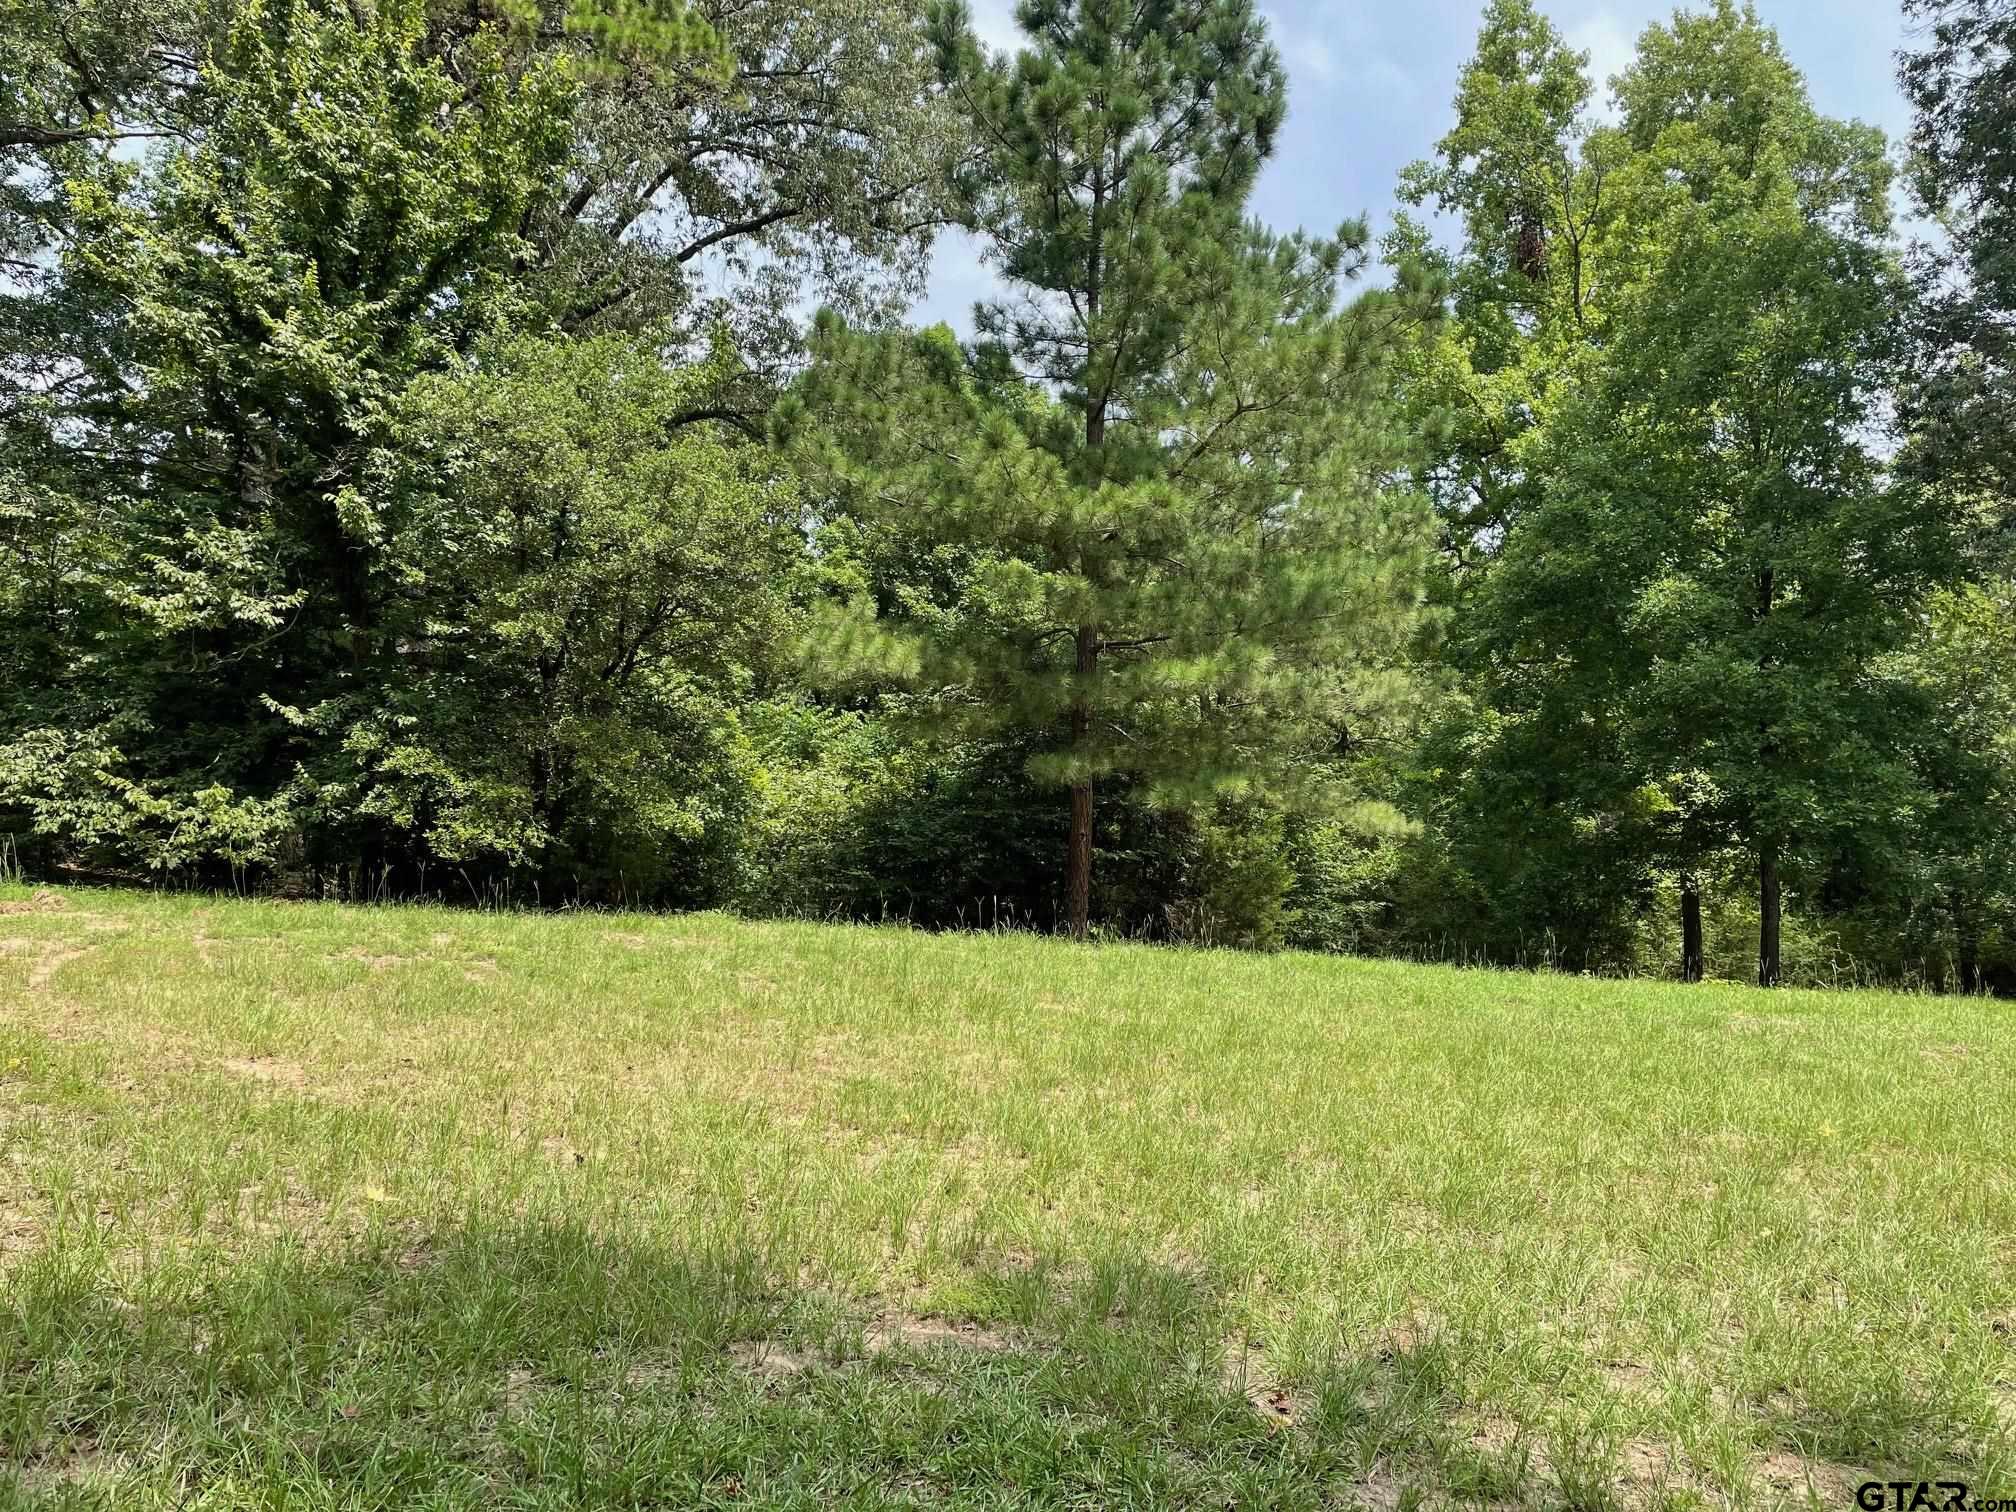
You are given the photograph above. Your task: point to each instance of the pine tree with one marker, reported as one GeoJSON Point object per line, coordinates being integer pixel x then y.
{"type": "Point", "coordinates": [1153, 493]}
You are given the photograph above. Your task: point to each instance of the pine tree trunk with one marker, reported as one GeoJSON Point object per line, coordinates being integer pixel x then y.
{"type": "Point", "coordinates": [1078, 864]}
{"type": "Point", "coordinates": [1768, 914]}
{"type": "Point", "coordinates": [1078, 882]}
{"type": "Point", "coordinates": [1690, 929]}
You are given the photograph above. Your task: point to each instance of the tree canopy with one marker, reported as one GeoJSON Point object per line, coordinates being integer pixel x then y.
{"type": "Point", "coordinates": [483, 450]}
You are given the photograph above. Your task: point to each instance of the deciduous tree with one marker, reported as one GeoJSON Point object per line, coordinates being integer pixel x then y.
{"type": "Point", "coordinates": [1720, 563]}
{"type": "Point", "coordinates": [1959, 399]}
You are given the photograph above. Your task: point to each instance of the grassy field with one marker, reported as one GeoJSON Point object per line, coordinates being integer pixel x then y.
{"type": "Point", "coordinates": [317, 1206]}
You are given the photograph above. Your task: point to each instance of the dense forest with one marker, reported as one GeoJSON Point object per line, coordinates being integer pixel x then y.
{"type": "Point", "coordinates": [477, 449]}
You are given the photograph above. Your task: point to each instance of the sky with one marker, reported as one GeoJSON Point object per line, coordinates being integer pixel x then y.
{"type": "Point", "coordinates": [1371, 86]}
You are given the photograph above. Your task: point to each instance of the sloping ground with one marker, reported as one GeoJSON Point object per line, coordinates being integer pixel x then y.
{"type": "Point", "coordinates": [348, 1207]}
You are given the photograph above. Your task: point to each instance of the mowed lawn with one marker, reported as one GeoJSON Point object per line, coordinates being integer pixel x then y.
{"type": "Point", "coordinates": [322, 1206]}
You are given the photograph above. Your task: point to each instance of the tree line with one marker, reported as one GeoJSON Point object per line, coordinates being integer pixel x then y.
{"type": "Point", "coordinates": [423, 474]}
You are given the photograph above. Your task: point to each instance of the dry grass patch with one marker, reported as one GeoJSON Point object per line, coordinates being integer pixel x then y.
{"type": "Point", "coordinates": [43, 902]}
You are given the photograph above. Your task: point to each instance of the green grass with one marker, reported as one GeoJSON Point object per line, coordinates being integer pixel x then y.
{"type": "Point", "coordinates": [317, 1206]}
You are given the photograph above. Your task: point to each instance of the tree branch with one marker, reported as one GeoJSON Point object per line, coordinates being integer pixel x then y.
{"type": "Point", "coordinates": [737, 228]}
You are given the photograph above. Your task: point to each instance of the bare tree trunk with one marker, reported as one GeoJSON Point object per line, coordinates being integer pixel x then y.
{"type": "Point", "coordinates": [1078, 882]}
{"type": "Point", "coordinates": [1690, 929]}
{"type": "Point", "coordinates": [1768, 915]}
{"type": "Point", "coordinates": [1078, 861]}
{"type": "Point", "coordinates": [1078, 865]}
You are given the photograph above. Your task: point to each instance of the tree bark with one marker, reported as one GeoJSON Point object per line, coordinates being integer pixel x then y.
{"type": "Point", "coordinates": [1078, 862]}
{"type": "Point", "coordinates": [28, 134]}
{"type": "Point", "coordinates": [1768, 914]}
{"type": "Point", "coordinates": [1690, 929]}
{"type": "Point", "coordinates": [1078, 883]}
{"type": "Point", "coordinates": [1078, 866]}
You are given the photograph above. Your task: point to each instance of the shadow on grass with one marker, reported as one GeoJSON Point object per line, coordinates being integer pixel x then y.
{"type": "Point", "coordinates": [545, 1367]}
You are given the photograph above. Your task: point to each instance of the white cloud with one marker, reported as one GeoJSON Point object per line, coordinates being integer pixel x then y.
{"type": "Point", "coordinates": [1325, 45]}
{"type": "Point", "coordinates": [958, 279]}
{"type": "Point", "coordinates": [994, 24]}
{"type": "Point", "coordinates": [1611, 49]}
{"type": "Point", "coordinates": [1312, 56]}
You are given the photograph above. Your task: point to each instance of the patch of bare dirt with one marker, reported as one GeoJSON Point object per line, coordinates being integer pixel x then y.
{"type": "Point", "coordinates": [43, 902]}
{"type": "Point", "coordinates": [778, 1359]}
{"type": "Point", "coordinates": [560, 1152]}
{"type": "Point", "coordinates": [1802, 1477]}
{"type": "Point", "coordinates": [1243, 1370]}
{"type": "Point", "coordinates": [766, 1357]}
{"type": "Point", "coordinates": [833, 1054]}
{"type": "Point", "coordinates": [909, 1331]}
{"type": "Point", "coordinates": [54, 957]}
{"type": "Point", "coordinates": [1645, 1461]}
{"type": "Point", "coordinates": [1629, 1376]}
{"type": "Point", "coordinates": [292, 1077]}
{"type": "Point", "coordinates": [650, 1374]}
{"type": "Point", "coordinates": [1494, 1433]}
{"type": "Point", "coordinates": [21, 1231]}
{"type": "Point", "coordinates": [1405, 1335]}
{"type": "Point", "coordinates": [627, 941]}
{"type": "Point", "coordinates": [519, 1384]}
{"type": "Point", "coordinates": [1499, 1436]}
{"type": "Point", "coordinates": [1378, 1490]}
{"type": "Point", "coordinates": [375, 962]}
{"type": "Point", "coordinates": [81, 1470]}
{"type": "Point", "coordinates": [268, 1069]}
{"type": "Point", "coordinates": [414, 1257]}
{"type": "Point", "coordinates": [1648, 1470]}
